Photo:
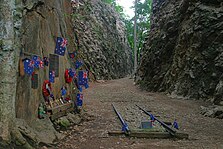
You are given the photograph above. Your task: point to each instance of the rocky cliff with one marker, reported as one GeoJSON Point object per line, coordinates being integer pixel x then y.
{"type": "Point", "coordinates": [183, 52]}
{"type": "Point", "coordinates": [102, 40]}
{"type": "Point", "coordinates": [8, 69]}
{"type": "Point", "coordinates": [93, 30]}
{"type": "Point", "coordinates": [30, 27]}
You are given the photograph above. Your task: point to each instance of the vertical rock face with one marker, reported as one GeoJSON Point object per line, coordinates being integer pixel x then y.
{"type": "Point", "coordinates": [102, 40]}
{"type": "Point", "coordinates": [8, 69]}
{"type": "Point", "coordinates": [30, 27]}
{"type": "Point", "coordinates": [94, 30]}
{"type": "Point", "coordinates": [42, 21]}
{"type": "Point", "coordinates": [183, 52]}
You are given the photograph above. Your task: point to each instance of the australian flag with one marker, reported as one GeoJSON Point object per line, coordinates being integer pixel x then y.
{"type": "Point", "coordinates": [28, 66]}
{"type": "Point", "coordinates": [36, 60]}
{"type": "Point", "coordinates": [63, 91]}
{"type": "Point", "coordinates": [72, 55]}
{"type": "Point", "coordinates": [80, 88]}
{"type": "Point", "coordinates": [72, 73]}
{"type": "Point", "coordinates": [41, 64]}
{"type": "Point", "coordinates": [52, 76]}
{"type": "Point", "coordinates": [60, 46]}
{"type": "Point", "coordinates": [83, 78]}
{"type": "Point", "coordinates": [79, 99]}
{"type": "Point", "coordinates": [78, 64]}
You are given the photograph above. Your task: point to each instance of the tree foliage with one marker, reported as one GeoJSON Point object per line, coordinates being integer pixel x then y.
{"type": "Point", "coordinates": [144, 13]}
{"type": "Point", "coordinates": [143, 21]}
{"type": "Point", "coordinates": [117, 7]}
{"type": "Point", "coordinates": [109, 1]}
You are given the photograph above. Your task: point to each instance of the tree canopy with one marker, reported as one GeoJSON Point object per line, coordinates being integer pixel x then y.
{"type": "Point", "coordinates": [143, 21]}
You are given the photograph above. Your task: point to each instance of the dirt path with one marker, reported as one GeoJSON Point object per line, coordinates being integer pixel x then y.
{"type": "Point", "coordinates": [204, 132]}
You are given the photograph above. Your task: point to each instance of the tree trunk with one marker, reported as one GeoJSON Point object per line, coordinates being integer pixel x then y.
{"type": "Point", "coordinates": [8, 68]}
{"type": "Point", "coordinates": [135, 39]}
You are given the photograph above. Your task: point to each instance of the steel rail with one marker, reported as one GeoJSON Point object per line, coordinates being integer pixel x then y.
{"type": "Point", "coordinates": [125, 127]}
{"type": "Point", "coordinates": [167, 128]}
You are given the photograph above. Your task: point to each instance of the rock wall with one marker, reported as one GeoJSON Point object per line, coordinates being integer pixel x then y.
{"type": "Point", "coordinates": [183, 52]}
{"type": "Point", "coordinates": [30, 27]}
{"type": "Point", "coordinates": [42, 21]}
{"type": "Point", "coordinates": [102, 40]}
{"type": "Point", "coordinates": [94, 30]}
{"type": "Point", "coordinates": [8, 70]}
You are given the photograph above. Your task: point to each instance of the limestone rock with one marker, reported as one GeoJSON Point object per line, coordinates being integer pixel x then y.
{"type": "Point", "coordinates": [63, 122]}
{"type": "Point", "coordinates": [74, 118]}
{"type": "Point", "coordinates": [102, 40]}
{"type": "Point", "coordinates": [8, 70]}
{"type": "Point", "coordinates": [30, 27]}
{"type": "Point", "coordinates": [183, 51]}
{"type": "Point", "coordinates": [37, 133]}
{"type": "Point", "coordinates": [212, 111]}
{"type": "Point", "coordinates": [94, 30]}
{"type": "Point", "coordinates": [19, 140]}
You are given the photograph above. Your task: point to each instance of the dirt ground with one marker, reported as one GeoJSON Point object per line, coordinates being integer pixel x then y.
{"type": "Point", "coordinates": [204, 132]}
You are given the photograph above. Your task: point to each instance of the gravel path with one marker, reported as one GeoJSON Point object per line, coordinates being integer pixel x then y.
{"type": "Point", "coordinates": [204, 132]}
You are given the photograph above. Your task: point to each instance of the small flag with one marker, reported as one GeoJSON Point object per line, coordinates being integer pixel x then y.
{"type": "Point", "coordinates": [79, 99]}
{"type": "Point", "coordinates": [152, 119]}
{"type": "Point", "coordinates": [85, 75]}
{"type": "Point", "coordinates": [45, 61]}
{"type": "Point", "coordinates": [80, 88]}
{"type": "Point", "coordinates": [72, 55]}
{"type": "Point", "coordinates": [72, 73]}
{"type": "Point", "coordinates": [78, 64]}
{"type": "Point", "coordinates": [125, 127]}
{"type": "Point", "coordinates": [63, 91]}
{"type": "Point", "coordinates": [60, 46]}
{"type": "Point", "coordinates": [86, 86]}
{"type": "Point", "coordinates": [32, 63]}
{"type": "Point", "coordinates": [52, 76]}
{"type": "Point", "coordinates": [175, 124]}
{"type": "Point", "coordinates": [41, 64]}
{"type": "Point", "coordinates": [36, 60]}
{"type": "Point", "coordinates": [28, 66]}
{"type": "Point", "coordinates": [83, 78]}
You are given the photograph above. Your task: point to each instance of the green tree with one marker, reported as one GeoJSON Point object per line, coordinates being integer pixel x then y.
{"type": "Point", "coordinates": [143, 24]}
{"type": "Point", "coordinates": [144, 13]}
{"type": "Point", "coordinates": [109, 1]}
{"type": "Point", "coordinates": [117, 7]}
{"type": "Point", "coordinates": [143, 21]}
{"type": "Point", "coordinates": [129, 27]}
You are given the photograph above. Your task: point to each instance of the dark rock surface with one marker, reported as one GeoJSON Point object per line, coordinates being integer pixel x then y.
{"type": "Point", "coordinates": [38, 133]}
{"type": "Point", "coordinates": [94, 30]}
{"type": "Point", "coordinates": [212, 111]}
{"type": "Point", "coordinates": [102, 40]}
{"type": "Point", "coordinates": [68, 120]}
{"type": "Point", "coordinates": [183, 52]}
{"type": "Point", "coordinates": [42, 22]}
{"type": "Point", "coordinates": [30, 27]}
